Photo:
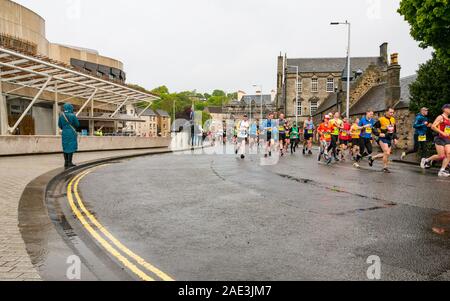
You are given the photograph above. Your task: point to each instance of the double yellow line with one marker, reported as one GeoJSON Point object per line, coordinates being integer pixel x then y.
{"type": "Point", "coordinates": [115, 251]}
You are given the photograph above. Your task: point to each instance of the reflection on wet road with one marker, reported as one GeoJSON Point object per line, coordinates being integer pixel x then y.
{"type": "Point", "coordinates": [215, 217]}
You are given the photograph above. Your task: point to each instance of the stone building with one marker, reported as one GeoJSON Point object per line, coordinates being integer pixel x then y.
{"type": "Point", "coordinates": [320, 80]}
{"type": "Point", "coordinates": [164, 123]}
{"type": "Point", "coordinates": [148, 128]}
{"type": "Point", "coordinates": [250, 105]}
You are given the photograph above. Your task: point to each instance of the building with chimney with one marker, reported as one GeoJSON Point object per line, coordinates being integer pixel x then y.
{"type": "Point", "coordinates": [304, 85]}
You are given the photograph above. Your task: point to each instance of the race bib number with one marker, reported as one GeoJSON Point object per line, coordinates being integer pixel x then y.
{"type": "Point", "coordinates": [310, 132]}
{"type": "Point", "coordinates": [423, 138]}
{"type": "Point", "coordinates": [344, 134]}
{"type": "Point", "coordinates": [327, 136]}
{"type": "Point", "coordinates": [368, 130]}
{"type": "Point", "coordinates": [447, 129]}
{"type": "Point", "coordinates": [391, 129]}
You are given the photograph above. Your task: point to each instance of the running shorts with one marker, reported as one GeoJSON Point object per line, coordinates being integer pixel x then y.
{"type": "Point", "coordinates": [441, 141]}
{"type": "Point", "coordinates": [386, 141]}
{"type": "Point", "coordinates": [355, 141]}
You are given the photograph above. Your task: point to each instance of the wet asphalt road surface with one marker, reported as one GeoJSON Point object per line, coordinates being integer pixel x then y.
{"type": "Point", "coordinates": [217, 217]}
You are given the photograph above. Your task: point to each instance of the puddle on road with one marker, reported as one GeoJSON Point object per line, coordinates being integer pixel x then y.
{"type": "Point", "coordinates": [441, 224]}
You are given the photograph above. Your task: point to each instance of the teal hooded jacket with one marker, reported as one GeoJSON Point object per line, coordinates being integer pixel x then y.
{"type": "Point", "coordinates": [68, 127]}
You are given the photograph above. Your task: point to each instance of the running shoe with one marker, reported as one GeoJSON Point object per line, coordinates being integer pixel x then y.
{"type": "Point", "coordinates": [356, 165]}
{"type": "Point", "coordinates": [403, 156]}
{"type": "Point", "coordinates": [310, 153]}
{"type": "Point", "coordinates": [304, 151]}
{"type": "Point", "coordinates": [329, 161]}
{"type": "Point", "coordinates": [423, 163]}
{"type": "Point", "coordinates": [385, 170]}
{"type": "Point", "coordinates": [242, 157]}
{"type": "Point", "coordinates": [319, 158]}
{"type": "Point", "coordinates": [371, 161]}
{"type": "Point", "coordinates": [444, 174]}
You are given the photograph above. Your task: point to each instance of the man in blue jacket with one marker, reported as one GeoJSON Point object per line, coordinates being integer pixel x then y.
{"type": "Point", "coordinates": [420, 126]}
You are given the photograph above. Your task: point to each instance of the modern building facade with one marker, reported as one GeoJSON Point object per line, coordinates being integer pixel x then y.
{"type": "Point", "coordinates": [37, 77]}
{"type": "Point", "coordinates": [303, 84]}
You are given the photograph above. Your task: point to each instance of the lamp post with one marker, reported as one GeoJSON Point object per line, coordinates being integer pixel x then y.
{"type": "Point", "coordinates": [348, 63]}
{"type": "Point", "coordinates": [296, 93]}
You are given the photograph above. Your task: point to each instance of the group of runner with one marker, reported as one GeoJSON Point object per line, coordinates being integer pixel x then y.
{"type": "Point", "coordinates": [341, 139]}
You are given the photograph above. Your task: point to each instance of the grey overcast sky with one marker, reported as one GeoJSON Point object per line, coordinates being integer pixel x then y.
{"type": "Point", "coordinates": [224, 44]}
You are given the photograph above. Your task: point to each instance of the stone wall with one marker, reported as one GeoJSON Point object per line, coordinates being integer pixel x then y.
{"type": "Point", "coordinates": [372, 76]}
{"type": "Point", "coordinates": [23, 145]}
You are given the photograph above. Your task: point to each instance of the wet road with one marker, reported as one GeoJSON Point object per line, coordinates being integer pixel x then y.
{"type": "Point", "coordinates": [216, 217]}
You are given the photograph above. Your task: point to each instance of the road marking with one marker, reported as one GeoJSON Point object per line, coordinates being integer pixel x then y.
{"type": "Point", "coordinates": [100, 239]}
{"type": "Point", "coordinates": [116, 242]}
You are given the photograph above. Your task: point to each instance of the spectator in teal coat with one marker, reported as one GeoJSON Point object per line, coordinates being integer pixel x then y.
{"type": "Point", "coordinates": [69, 123]}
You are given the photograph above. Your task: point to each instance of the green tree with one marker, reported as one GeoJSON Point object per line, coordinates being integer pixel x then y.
{"type": "Point", "coordinates": [160, 90]}
{"type": "Point", "coordinates": [432, 87]}
{"type": "Point", "coordinates": [218, 93]}
{"type": "Point", "coordinates": [430, 24]}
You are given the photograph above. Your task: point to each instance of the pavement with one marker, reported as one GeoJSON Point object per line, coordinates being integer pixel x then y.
{"type": "Point", "coordinates": [217, 217]}
{"type": "Point", "coordinates": [15, 174]}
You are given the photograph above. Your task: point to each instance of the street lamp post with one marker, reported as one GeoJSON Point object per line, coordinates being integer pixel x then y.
{"type": "Point", "coordinates": [348, 63]}
{"type": "Point", "coordinates": [296, 93]}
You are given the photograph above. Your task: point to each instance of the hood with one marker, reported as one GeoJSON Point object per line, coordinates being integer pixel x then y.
{"type": "Point", "coordinates": [68, 108]}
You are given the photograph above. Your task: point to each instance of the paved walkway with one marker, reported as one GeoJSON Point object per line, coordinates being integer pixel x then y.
{"type": "Point", "coordinates": [15, 174]}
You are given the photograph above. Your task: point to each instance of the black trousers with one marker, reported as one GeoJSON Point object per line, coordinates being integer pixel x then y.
{"type": "Point", "coordinates": [419, 147]}
{"type": "Point", "coordinates": [333, 145]}
{"type": "Point", "coordinates": [365, 146]}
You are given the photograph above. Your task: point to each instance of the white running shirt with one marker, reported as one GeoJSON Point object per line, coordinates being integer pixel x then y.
{"type": "Point", "coordinates": [243, 129]}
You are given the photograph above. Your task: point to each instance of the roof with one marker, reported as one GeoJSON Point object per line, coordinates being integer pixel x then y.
{"type": "Point", "coordinates": [328, 103]}
{"type": "Point", "coordinates": [39, 72]}
{"type": "Point", "coordinates": [148, 112]}
{"type": "Point", "coordinates": [107, 117]}
{"type": "Point", "coordinates": [267, 99]}
{"type": "Point", "coordinates": [215, 110]}
{"type": "Point", "coordinates": [374, 100]}
{"type": "Point", "coordinates": [405, 97]}
{"type": "Point", "coordinates": [320, 65]}
{"type": "Point", "coordinates": [162, 113]}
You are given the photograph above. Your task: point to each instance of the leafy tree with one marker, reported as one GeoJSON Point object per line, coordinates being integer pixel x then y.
{"type": "Point", "coordinates": [430, 24]}
{"type": "Point", "coordinates": [432, 87]}
{"type": "Point", "coordinates": [218, 93]}
{"type": "Point", "coordinates": [160, 90]}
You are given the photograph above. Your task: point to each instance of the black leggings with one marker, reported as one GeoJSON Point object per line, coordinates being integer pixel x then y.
{"type": "Point", "coordinates": [365, 144]}
{"type": "Point", "coordinates": [419, 147]}
{"type": "Point", "coordinates": [333, 145]}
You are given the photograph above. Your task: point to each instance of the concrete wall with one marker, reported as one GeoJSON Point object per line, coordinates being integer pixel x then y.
{"type": "Point", "coordinates": [43, 121]}
{"type": "Point", "coordinates": [19, 21]}
{"type": "Point", "coordinates": [21, 145]}
{"type": "Point", "coordinates": [65, 53]}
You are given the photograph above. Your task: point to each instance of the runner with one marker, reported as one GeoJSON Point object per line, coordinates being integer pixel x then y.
{"type": "Point", "coordinates": [308, 130]}
{"type": "Point", "coordinates": [442, 142]}
{"type": "Point", "coordinates": [420, 126]}
{"type": "Point", "coordinates": [355, 132]}
{"type": "Point", "coordinates": [282, 123]}
{"type": "Point", "coordinates": [385, 128]}
{"type": "Point", "coordinates": [253, 134]}
{"type": "Point", "coordinates": [294, 138]}
{"type": "Point", "coordinates": [287, 141]}
{"type": "Point", "coordinates": [365, 143]}
{"type": "Point", "coordinates": [324, 130]}
{"type": "Point", "coordinates": [337, 125]}
{"type": "Point", "coordinates": [267, 129]}
{"type": "Point", "coordinates": [345, 138]}
{"type": "Point", "coordinates": [242, 136]}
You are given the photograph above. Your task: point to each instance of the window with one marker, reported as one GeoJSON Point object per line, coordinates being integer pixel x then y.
{"type": "Point", "coordinates": [314, 105]}
{"type": "Point", "coordinates": [330, 85]}
{"type": "Point", "coordinates": [314, 85]}
{"type": "Point", "coordinates": [299, 86]}
{"type": "Point", "coordinates": [299, 108]}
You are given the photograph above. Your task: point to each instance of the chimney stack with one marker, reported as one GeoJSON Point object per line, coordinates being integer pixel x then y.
{"type": "Point", "coordinates": [384, 52]}
{"type": "Point", "coordinates": [393, 89]}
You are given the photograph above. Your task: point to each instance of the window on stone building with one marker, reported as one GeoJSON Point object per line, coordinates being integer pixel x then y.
{"type": "Point", "coordinates": [315, 85]}
{"type": "Point", "coordinates": [330, 85]}
{"type": "Point", "coordinates": [299, 108]}
{"type": "Point", "coordinates": [314, 105]}
{"type": "Point", "coordinates": [299, 86]}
